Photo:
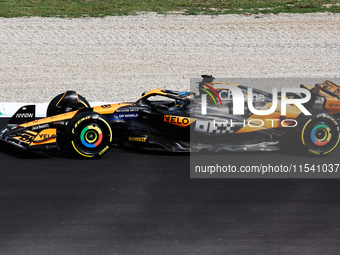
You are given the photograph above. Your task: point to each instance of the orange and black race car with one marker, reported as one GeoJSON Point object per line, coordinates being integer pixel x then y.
{"type": "Point", "coordinates": [183, 121]}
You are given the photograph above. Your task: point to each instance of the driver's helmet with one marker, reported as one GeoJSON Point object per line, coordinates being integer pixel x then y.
{"type": "Point", "coordinates": [184, 94]}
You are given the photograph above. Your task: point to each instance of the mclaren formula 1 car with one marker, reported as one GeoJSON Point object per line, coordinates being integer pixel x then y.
{"type": "Point", "coordinates": [174, 121]}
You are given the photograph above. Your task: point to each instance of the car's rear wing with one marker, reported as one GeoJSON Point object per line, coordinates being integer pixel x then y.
{"type": "Point", "coordinates": [325, 89]}
{"type": "Point", "coordinates": [324, 96]}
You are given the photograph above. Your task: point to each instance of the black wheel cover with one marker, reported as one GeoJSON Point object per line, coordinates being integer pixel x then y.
{"type": "Point", "coordinates": [89, 134]}
{"type": "Point", "coordinates": [320, 134]}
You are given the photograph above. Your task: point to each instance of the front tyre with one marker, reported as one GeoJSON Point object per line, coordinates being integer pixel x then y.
{"type": "Point", "coordinates": [66, 102]}
{"type": "Point", "coordinates": [89, 134]}
{"type": "Point", "coordinates": [320, 134]}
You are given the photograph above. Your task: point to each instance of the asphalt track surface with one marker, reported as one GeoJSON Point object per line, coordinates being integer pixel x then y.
{"type": "Point", "coordinates": [138, 203]}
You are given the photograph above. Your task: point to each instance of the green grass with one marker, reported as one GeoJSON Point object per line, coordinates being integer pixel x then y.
{"type": "Point", "coordinates": [101, 8]}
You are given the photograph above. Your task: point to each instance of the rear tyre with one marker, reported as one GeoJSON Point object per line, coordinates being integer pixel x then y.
{"type": "Point", "coordinates": [58, 106]}
{"type": "Point", "coordinates": [319, 134]}
{"type": "Point", "coordinates": [89, 134]}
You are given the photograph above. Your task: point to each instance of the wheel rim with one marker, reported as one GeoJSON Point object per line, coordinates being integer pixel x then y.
{"type": "Point", "coordinates": [91, 136]}
{"type": "Point", "coordinates": [321, 134]}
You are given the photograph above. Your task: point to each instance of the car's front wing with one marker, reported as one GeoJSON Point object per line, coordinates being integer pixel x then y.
{"type": "Point", "coordinates": [30, 140]}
